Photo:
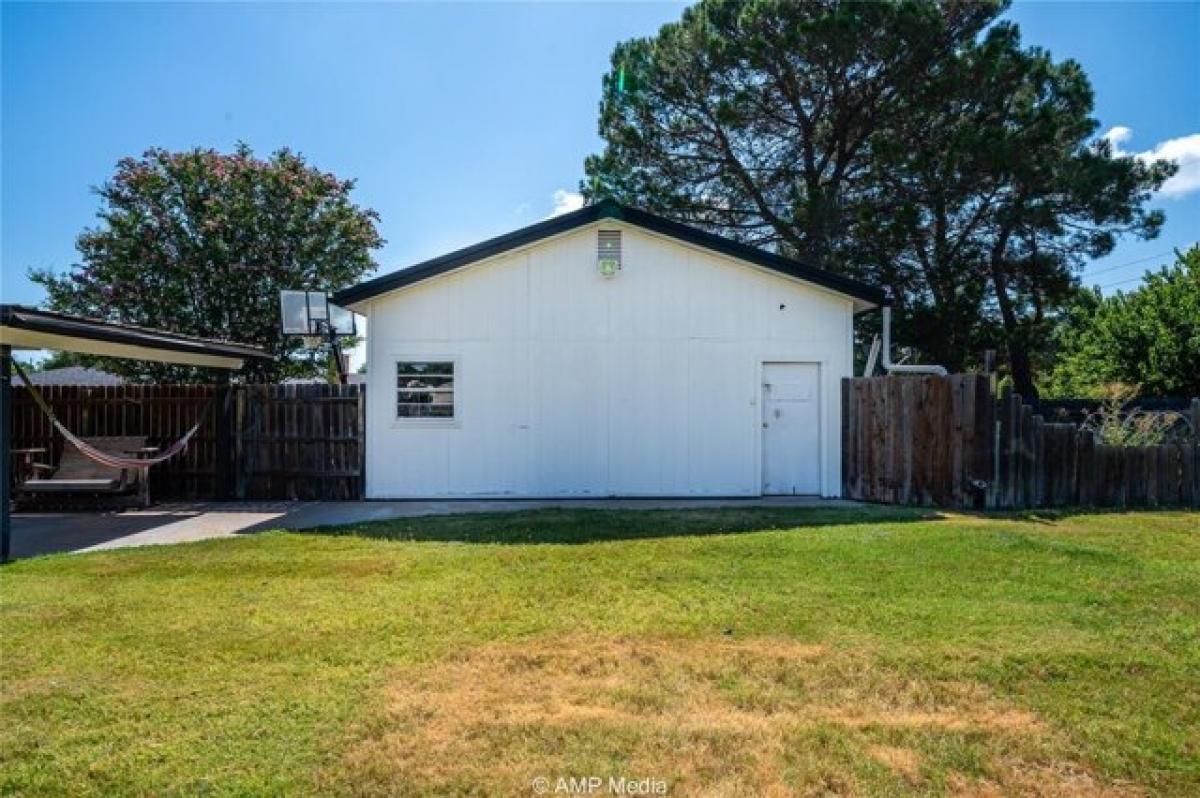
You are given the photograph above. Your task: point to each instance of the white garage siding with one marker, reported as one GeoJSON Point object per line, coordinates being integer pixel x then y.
{"type": "Point", "coordinates": [568, 383]}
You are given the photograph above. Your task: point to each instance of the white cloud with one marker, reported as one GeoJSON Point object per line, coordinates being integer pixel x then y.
{"type": "Point", "coordinates": [1116, 137]}
{"type": "Point", "coordinates": [1184, 151]}
{"type": "Point", "coordinates": [566, 201]}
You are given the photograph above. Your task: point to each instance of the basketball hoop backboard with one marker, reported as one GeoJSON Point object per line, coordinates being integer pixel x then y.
{"type": "Point", "coordinates": [293, 306]}
{"type": "Point", "coordinates": [310, 313]}
{"type": "Point", "coordinates": [340, 319]}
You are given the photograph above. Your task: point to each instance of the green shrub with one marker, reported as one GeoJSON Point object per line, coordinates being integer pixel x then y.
{"type": "Point", "coordinates": [1115, 423]}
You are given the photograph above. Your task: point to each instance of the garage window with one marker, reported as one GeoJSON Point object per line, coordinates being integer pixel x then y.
{"type": "Point", "coordinates": [425, 389]}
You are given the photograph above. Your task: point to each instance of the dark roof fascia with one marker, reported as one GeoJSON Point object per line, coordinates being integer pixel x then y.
{"type": "Point", "coordinates": [607, 209]}
{"type": "Point", "coordinates": [759, 257]}
{"type": "Point", "coordinates": [44, 321]}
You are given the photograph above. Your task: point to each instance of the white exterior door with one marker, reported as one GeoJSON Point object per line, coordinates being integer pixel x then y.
{"type": "Point", "coordinates": [791, 429]}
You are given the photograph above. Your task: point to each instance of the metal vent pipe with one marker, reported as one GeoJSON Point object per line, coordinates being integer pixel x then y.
{"type": "Point", "coordinates": [887, 364]}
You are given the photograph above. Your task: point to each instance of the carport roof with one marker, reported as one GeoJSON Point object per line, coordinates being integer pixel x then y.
{"type": "Point", "coordinates": [868, 296]}
{"type": "Point", "coordinates": [29, 328]}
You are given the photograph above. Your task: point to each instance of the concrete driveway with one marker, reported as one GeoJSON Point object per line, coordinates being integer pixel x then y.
{"type": "Point", "coordinates": [48, 533]}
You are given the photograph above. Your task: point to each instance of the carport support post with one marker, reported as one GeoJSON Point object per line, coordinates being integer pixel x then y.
{"type": "Point", "coordinates": [5, 449]}
{"type": "Point", "coordinates": [224, 478]}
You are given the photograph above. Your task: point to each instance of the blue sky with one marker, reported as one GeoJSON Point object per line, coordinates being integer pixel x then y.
{"type": "Point", "coordinates": [459, 121]}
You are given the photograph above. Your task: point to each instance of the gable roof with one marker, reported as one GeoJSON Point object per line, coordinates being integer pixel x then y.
{"type": "Point", "coordinates": [609, 209]}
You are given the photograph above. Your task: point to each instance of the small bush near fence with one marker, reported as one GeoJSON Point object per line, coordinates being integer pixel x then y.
{"type": "Point", "coordinates": [951, 442]}
{"type": "Point", "coordinates": [1121, 421]}
{"type": "Point", "coordinates": [282, 441]}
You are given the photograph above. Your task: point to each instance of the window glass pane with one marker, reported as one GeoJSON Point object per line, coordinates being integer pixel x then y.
{"type": "Point", "coordinates": [424, 368]}
{"type": "Point", "coordinates": [424, 411]}
{"type": "Point", "coordinates": [408, 382]}
{"type": "Point", "coordinates": [409, 410]}
{"type": "Point", "coordinates": [425, 397]}
{"type": "Point", "coordinates": [425, 389]}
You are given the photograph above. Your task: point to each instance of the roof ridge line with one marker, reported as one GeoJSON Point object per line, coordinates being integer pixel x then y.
{"type": "Point", "coordinates": [608, 208]}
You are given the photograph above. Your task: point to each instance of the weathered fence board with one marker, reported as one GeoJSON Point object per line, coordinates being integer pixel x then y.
{"type": "Point", "coordinates": [950, 442]}
{"type": "Point", "coordinates": [286, 441]}
{"type": "Point", "coordinates": [302, 441]}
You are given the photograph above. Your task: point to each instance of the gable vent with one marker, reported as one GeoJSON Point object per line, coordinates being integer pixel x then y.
{"type": "Point", "coordinates": [608, 252]}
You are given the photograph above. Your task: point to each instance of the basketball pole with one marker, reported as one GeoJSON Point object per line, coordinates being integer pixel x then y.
{"type": "Point", "coordinates": [336, 349]}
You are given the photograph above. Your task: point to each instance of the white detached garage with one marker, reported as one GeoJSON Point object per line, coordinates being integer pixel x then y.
{"type": "Point", "coordinates": [606, 352]}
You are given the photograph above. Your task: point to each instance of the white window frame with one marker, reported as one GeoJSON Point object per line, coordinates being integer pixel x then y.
{"type": "Point", "coordinates": [454, 420]}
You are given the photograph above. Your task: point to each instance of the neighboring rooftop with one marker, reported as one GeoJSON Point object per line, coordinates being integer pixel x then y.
{"type": "Point", "coordinates": [74, 375]}
{"type": "Point", "coordinates": [351, 379]}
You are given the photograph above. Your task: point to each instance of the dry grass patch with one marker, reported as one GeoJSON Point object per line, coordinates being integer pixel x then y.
{"type": "Point", "coordinates": [988, 655]}
{"type": "Point", "coordinates": [904, 761]}
{"type": "Point", "coordinates": [726, 717]}
{"type": "Point", "coordinates": [1057, 781]}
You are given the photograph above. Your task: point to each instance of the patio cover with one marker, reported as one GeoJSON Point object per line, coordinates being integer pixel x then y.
{"type": "Point", "coordinates": [29, 328]}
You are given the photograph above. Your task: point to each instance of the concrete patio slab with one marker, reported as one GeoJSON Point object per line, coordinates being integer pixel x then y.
{"type": "Point", "coordinates": [47, 533]}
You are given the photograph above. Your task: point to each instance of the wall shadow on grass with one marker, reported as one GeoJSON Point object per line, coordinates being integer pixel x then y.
{"type": "Point", "coordinates": [570, 526]}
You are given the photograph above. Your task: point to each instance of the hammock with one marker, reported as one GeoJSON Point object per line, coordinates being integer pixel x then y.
{"type": "Point", "coordinates": [107, 458]}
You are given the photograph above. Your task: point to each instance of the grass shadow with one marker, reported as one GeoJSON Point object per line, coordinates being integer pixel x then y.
{"type": "Point", "coordinates": [574, 526]}
{"type": "Point", "coordinates": [1050, 516]}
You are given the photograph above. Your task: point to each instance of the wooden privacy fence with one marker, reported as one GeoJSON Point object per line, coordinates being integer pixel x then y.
{"type": "Point", "coordinates": [276, 441]}
{"type": "Point", "coordinates": [300, 441]}
{"type": "Point", "coordinates": [950, 442]}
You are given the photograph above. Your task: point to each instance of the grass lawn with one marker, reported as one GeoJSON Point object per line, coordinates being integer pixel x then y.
{"type": "Point", "coordinates": [730, 652]}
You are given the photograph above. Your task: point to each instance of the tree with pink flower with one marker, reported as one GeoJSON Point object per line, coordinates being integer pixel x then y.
{"type": "Point", "coordinates": [201, 242]}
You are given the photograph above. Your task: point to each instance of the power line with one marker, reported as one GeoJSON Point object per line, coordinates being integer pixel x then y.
{"type": "Point", "coordinates": [1129, 263]}
{"type": "Point", "coordinates": [1121, 282]}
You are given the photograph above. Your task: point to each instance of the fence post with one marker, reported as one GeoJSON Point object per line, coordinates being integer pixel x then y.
{"type": "Point", "coordinates": [223, 479]}
{"type": "Point", "coordinates": [846, 427]}
{"type": "Point", "coordinates": [6, 411]}
{"type": "Point", "coordinates": [361, 395]}
{"type": "Point", "coordinates": [239, 444]}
